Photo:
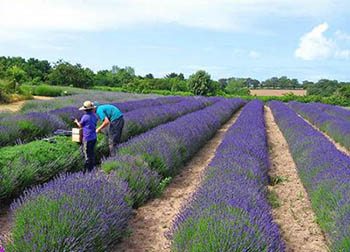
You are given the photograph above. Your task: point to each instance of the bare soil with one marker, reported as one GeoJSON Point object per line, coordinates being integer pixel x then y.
{"type": "Point", "coordinates": [16, 106]}
{"type": "Point", "coordinates": [276, 92]}
{"type": "Point", "coordinates": [294, 216]}
{"type": "Point", "coordinates": [155, 218]}
{"type": "Point", "coordinates": [4, 223]}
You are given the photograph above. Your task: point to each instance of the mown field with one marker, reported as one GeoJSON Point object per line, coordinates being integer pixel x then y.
{"type": "Point", "coordinates": [277, 92]}
{"type": "Point", "coordinates": [192, 174]}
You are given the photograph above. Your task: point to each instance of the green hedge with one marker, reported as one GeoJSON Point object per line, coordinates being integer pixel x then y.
{"type": "Point", "coordinates": [36, 162]}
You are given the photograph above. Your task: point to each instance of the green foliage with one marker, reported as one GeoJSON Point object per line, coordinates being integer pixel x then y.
{"type": "Point", "coordinates": [162, 185]}
{"type": "Point", "coordinates": [200, 83]}
{"type": "Point", "coordinates": [16, 75]}
{"type": "Point", "coordinates": [237, 87]}
{"type": "Point", "coordinates": [4, 95]}
{"type": "Point", "coordinates": [67, 74]}
{"type": "Point", "coordinates": [210, 232]}
{"type": "Point", "coordinates": [135, 170]}
{"type": "Point", "coordinates": [46, 90]}
{"type": "Point", "coordinates": [48, 210]}
{"type": "Point", "coordinates": [19, 169]}
{"type": "Point", "coordinates": [273, 199]}
{"type": "Point", "coordinates": [323, 87]}
{"type": "Point", "coordinates": [275, 180]}
{"type": "Point", "coordinates": [281, 83]}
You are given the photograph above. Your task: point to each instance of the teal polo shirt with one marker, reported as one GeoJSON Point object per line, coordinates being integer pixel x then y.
{"type": "Point", "coordinates": [109, 111]}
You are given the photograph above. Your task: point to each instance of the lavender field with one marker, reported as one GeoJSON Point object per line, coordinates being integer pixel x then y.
{"type": "Point", "coordinates": [47, 202]}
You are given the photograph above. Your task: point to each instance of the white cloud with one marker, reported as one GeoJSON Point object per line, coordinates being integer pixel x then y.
{"type": "Point", "coordinates": [315, 45]}
{"type": "Point", "coordinates": [87, 15]}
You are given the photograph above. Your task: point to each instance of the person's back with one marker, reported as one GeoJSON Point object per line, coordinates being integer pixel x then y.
{"type": "Point", "coordinates": [112, 118]}
{"type": "Point", "coordinates": [109, 111]}
{"type": "Point", "coordinates": [88, 123]}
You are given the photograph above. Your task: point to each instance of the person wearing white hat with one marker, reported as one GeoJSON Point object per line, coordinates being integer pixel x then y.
{"type": "Point", "coordinates": [88, 123]}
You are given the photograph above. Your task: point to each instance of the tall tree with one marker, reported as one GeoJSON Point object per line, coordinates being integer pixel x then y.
{"type": "Point", "coordinates": [200, 83]}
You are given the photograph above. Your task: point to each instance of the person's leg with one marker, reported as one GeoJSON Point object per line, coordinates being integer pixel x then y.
{"type": "Point", "coordinates": [115, 134]}
{"type": "Point", "coordinates": [85, 152]}
{"type": "Point", "coordinates": [90, 155]}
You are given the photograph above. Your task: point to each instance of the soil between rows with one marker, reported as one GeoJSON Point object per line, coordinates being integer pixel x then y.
{"type": "Point", "coordinates": [295, 216]}
{"type": "Point", "coordinates": [155, 218]}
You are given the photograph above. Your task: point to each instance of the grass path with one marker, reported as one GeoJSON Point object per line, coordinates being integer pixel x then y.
{"type": "Point", "coordinates": [16, 106]}
{"type": "Point", "coordinates": [294, 215]}
{"type": "Point", "coordinates": [154, 219]}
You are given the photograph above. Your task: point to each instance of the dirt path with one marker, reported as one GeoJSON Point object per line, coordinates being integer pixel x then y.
{"type": "Point", "coordinates": [337, 145]}
{"type": "Point", "coordinates": [4, 222]}
{"type": "Point", "coordinates": [295, 216]}
{"type": "Point", "coordinates": [16, 106]}
{"type": "Point", "coordinates": [154, 219]}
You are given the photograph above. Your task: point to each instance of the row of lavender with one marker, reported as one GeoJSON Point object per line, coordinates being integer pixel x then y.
{"type": "Point", "coordinates": [324, 171]}
{"type": "Point", "coordinates": [165, 148]}
{"type": "Point", "coordinates": [89, 212]}
{"type": "Point", "coordinates": [328, 119]}
{"type": "Point", "coordinates": [230, 211]}
{"type": "Point", "coordinates": [38, 161]}
{"type": "Point", "coordinates": [33, 125]}
{"type": "Point", "coordinates": [335, 111]}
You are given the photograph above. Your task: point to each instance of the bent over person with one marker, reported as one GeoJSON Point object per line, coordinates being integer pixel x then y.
{"type": "Point", "coordinates": [111, 117]}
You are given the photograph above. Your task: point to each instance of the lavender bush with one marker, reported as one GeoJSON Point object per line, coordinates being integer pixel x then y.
{"type": "Point", "coordinates": [24, 128]}
{"type": "Point", "coordinates": [165, 148]}
{"type": "Point", "coordinates": [28, 127]}
{"type": "Point", "coordinates": [89, 212]}
{"type": "Point", "coordinates": [336, 111]}
{"type": "Point", "coordinates": [230, 211]}
{"type": "Point", "coordinates": [38, 161]}
{"type": "Point", "coordinates": [142, 181]}
{"type": "Point", "coordinates": [143, 119]}
{"type": "Point", "coordinates": [74, 212]}
{"type": "Point", "coordinates": [77, 100]}
{"type": "Point", "coordinates": [324, 171]}
{"type": "Point", "coordinates": [168, 146]}
{"type": "Point", "coordinates": [335, 127]}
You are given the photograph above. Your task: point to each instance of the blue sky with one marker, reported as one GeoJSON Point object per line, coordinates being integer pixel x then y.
{"type": "Point", "coordinates": [303, 39]}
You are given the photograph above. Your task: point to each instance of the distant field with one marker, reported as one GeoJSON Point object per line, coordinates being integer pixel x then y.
{"type": "Point", "coordinates": [276, 92]}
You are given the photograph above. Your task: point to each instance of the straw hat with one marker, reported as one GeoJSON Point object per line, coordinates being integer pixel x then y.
{"type": "Point", "coordinates": [87, 105]}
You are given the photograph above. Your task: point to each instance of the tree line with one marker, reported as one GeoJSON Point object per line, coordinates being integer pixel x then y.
{"type": "Point", "coordinates": [15, 71]}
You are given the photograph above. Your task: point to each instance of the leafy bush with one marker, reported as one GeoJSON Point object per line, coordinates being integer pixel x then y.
{"type": "Point", "coordinates": [74, 212]}
{"type": "Point", "coordinates": [24, 128]}
{"type": "Point", "coordinates": [36, 162]}
{"type": "Point", "coordinates": [142, 181]}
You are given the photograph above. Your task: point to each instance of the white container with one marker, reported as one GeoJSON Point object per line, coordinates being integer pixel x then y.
{"type": "Point", "coordinates": [77, 135]}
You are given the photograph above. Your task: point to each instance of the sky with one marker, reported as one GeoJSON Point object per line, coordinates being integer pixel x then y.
{"type": "Point", "coordinates": [303, 39]}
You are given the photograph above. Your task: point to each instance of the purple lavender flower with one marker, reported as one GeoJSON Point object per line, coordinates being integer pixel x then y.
{"type": "Point", "coordinates": [324, 171]}
{"type": "Point", "coordinates": [167, 146]}
{"type": "Point", "coordinates": [33, 125]}
{"type": "Point", "coordinates": [74, 212]}
{"type": "Point", "coordinates": [335, 126]}
{"type": "Point", "coordinates": [230, 212]}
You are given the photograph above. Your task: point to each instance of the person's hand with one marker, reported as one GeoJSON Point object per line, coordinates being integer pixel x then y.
{"type": "Point", "coordinates": [76, 120]}
{"type": "Point", "coordinates": [98, 130]}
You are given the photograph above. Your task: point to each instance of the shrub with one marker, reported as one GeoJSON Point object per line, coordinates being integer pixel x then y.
{"type": "Point", "coordinates": [74, 212]}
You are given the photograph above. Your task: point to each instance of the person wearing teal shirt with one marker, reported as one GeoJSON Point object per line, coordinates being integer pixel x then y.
{"type": "Point", "coordinates": [111, 118]}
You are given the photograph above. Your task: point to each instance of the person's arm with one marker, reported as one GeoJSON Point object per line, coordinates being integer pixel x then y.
{"type": "Point", "coordinates": [104, 124]}
{"type": "Point", "coordinates": [78, 123]}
